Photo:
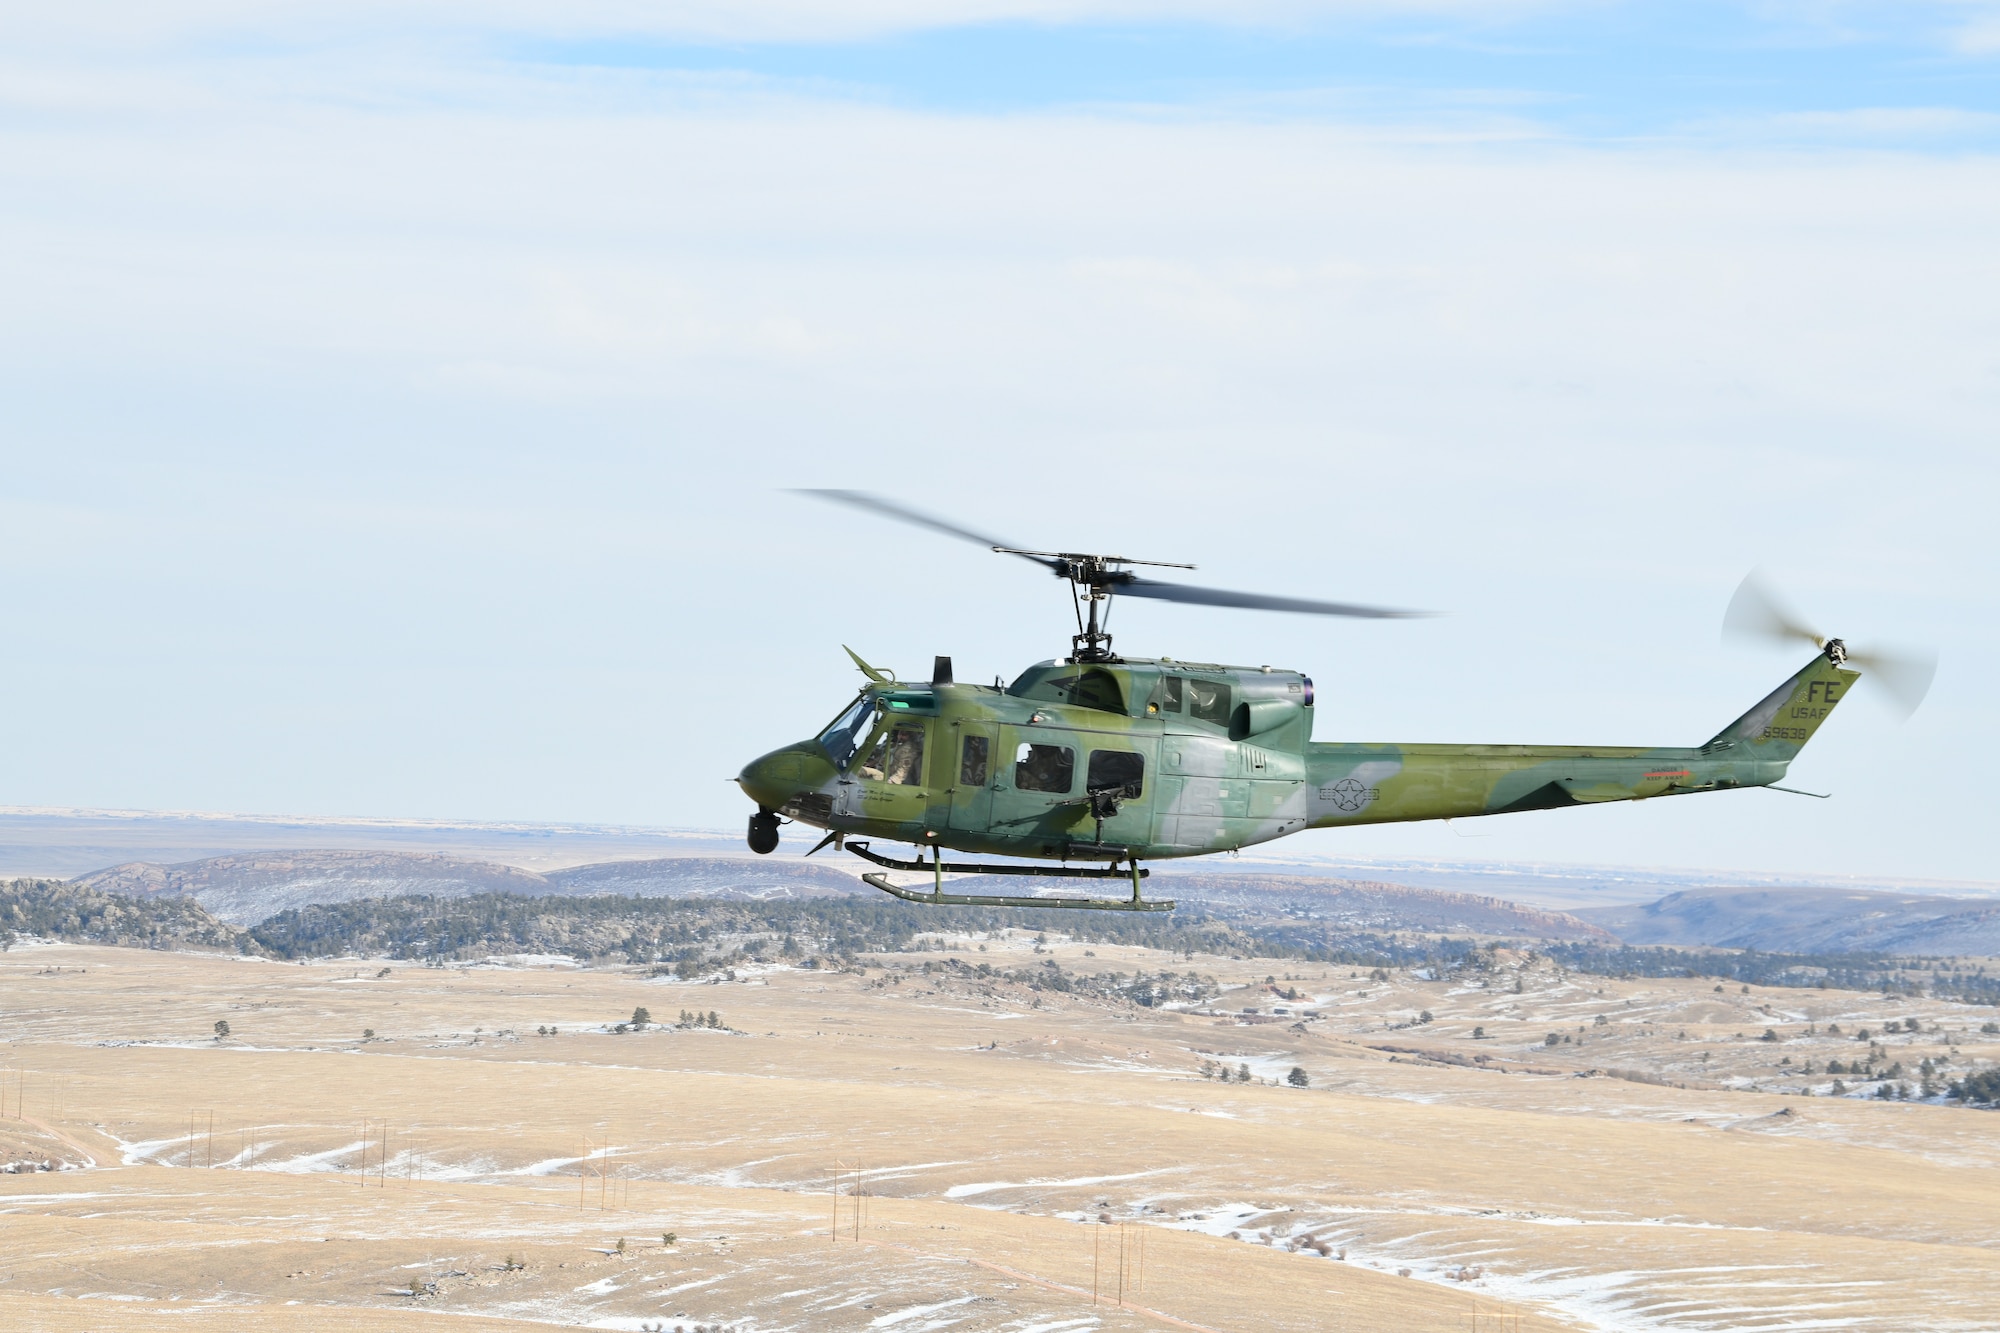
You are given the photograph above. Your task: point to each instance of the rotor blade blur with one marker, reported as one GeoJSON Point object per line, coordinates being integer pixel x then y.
{"type": "Point", "coordinates": [1905, 677]}
{"type": "Point", "coordinates": [875, 504]}
{"type": "Point", "coordinates": [1757, 612]}
{"type": "Point", "coordinates": [1255, 601]}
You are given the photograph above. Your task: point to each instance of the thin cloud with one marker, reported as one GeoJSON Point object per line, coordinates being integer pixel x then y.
{"type": "Point", "coordinates": [123, 24]}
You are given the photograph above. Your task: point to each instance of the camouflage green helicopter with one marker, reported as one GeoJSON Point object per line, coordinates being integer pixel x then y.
{"type": "Point", "coordinates": [1110, 761]}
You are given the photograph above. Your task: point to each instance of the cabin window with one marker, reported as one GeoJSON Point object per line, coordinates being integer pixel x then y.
{"type": "Point", "coordinates": [1117, 771]}
{"type": "Point", "coordinates": [1044, 767]}
{"type": "Point", "coordinates": [843, 735]}
{"type": "Point", "coordinates": [1167, 694]}
{"type": "Point", "coordinates": [1208, 701]}
{"type": "Point", "coordinates": [898, 757]}
{"type": "Point", "coordinates": [972, 762]}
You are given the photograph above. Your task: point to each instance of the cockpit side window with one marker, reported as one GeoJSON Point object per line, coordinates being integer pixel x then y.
{"type": "Point", "coordinates": [1166, 695]}
{"type": "Point", "coordinates": [843, 735]}
{"type": "Point", "coordinates": [898, 757]}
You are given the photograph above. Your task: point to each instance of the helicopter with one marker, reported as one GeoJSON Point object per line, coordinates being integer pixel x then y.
{"type": "Point", "coordinates": [1099, 762]}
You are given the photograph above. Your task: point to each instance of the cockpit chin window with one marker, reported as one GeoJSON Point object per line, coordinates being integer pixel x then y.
{"type": "Point", "coordinates": [843, 736]}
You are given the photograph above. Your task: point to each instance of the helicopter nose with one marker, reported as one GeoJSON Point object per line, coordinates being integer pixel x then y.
{"type": "Point", "coordinates": [772, 779]}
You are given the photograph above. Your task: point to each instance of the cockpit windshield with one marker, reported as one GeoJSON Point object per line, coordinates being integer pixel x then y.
{"type": "Point", "coordinates": [843, 736]}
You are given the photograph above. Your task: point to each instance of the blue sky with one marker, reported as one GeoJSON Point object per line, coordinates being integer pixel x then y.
{"type": "Point", "coordinates": [400, 397]}
{"type": "Point", "coordinates": [1595, 70]}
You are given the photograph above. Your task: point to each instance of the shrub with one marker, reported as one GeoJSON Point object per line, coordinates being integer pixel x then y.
{"type": "Point", "coordinates": [1981, 1087]}
{"type": "Point", "coordinates": [221, 1028]}
{"type": "Point", "coordinates": [1770, 1034]}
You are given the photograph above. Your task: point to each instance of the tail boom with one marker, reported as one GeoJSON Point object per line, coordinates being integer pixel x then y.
{"type": "Point", "coordinates": [1378, 784]}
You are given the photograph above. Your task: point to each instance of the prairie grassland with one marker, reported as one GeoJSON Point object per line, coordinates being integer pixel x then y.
{"type": "Point", "coordinates": [908, 1149]}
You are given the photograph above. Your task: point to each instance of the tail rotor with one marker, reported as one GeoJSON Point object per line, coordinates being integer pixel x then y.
{"type": "Point", "coordinates": [1757, 613]}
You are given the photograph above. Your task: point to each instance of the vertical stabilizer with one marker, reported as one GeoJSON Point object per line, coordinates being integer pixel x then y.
{"type": "Point", "coordinates": [1786, 718]}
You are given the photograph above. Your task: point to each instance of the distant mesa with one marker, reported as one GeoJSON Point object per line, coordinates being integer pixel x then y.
{"type": "Point", "coordinates": [1809, 920]}
{"type": "Point", "coordinates": [246, 888]}
{"type": "Point", "coordinates": [1354, 905]}
{"type": "Point", "coordinates": [708, 877]}
{"type": "Point", "coordinates": [249, 887]}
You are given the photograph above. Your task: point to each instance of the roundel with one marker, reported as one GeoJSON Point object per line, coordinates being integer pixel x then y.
{"type": "Point", "coordinates": [1347, 794]}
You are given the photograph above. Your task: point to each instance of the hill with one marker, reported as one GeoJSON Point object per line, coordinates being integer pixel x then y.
{"type": "Point", "coordinates": [52, 910]}
{"type": "Point", "coordinates": [1331, 905]}
{"type": "Point", "coordinates": [1809, 920]}
{"type": "Point", "coordinates": [732, 877]}
{"type": "Point", "coordinates": [247, 888]}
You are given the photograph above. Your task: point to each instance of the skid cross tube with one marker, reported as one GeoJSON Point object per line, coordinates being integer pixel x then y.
{"type": "Point", "coordinates": [878, 880]}
{"type": "Point", "coordinates": [861, 849]}
{"type": "Point", "coordinates": [938, 897]}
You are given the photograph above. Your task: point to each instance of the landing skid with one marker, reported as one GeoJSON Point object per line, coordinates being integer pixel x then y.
{"type": "Point", "coordinates": [938, 897]}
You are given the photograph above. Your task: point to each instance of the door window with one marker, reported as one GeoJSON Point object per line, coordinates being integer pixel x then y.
{"type": "Point", "coordinates": [1167, 694]}
{"type": "Point", "coordinates": [1208, 701]}
{"type": "Point", "coordinates": [898, 757]}
{"type": "Point", "coordinates": [972, 762]}
{"type": "Point", "coordinates": [1044, 767]}
{"type": "Point", "coordinates": [1119, 772]}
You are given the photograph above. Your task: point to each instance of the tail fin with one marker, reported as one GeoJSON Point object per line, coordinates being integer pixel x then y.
{"type": "Point", "coordinates": [1780, 725]}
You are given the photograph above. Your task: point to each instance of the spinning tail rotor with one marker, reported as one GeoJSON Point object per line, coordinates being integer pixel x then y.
{"type": "Point", "coordinates": [1758, 613]}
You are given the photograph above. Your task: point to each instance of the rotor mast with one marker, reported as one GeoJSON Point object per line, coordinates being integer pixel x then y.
{"type": "Point", "coordinates": [1093, 579]}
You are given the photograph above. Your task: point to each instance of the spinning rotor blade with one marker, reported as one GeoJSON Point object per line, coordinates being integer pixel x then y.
{"type": "Point", "coordinates": [1757, 612]}
{"type": "Point", "coordinates": [1096, 576]}
{"type": "Point", "coordinates": [904, 514]}
{"type": "Point", "coordinates": [1905, 676]}
{"type": "Point", "coordinates": [1254, 601]}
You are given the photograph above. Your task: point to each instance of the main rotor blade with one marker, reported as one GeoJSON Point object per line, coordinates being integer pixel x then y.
{"type": "Point", "coordinates": [1906, 676]}
{"type": "Point", "coordinates": [1255, 601]}
{"type": "Point", "coordinates": [875, 504]}
{"type": "Point", "coordinates": [1757, 612]}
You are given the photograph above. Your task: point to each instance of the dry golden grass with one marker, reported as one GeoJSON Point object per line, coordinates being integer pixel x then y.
{"type": "Point", "coordinates": [993, 1138]}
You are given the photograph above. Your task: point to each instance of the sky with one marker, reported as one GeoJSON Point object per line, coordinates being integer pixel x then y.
{"type": "Point", "coordinates": [401, 402]}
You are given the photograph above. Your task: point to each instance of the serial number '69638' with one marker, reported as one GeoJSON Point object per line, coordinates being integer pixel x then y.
{"type": "Point", "coordinates": [1785, 734]}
